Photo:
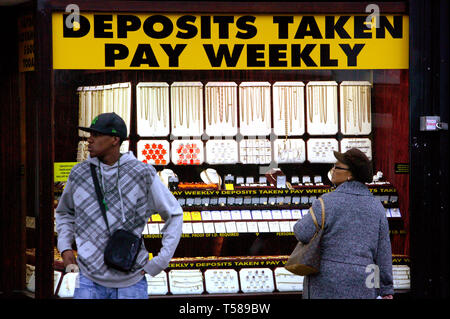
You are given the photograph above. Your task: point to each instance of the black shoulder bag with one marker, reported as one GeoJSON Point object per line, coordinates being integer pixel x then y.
{"type": "Point", "coordinates": [123, 246]}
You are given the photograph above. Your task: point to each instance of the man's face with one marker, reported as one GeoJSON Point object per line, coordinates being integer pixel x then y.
{"type": "Point", "coordinates": [100, 145]}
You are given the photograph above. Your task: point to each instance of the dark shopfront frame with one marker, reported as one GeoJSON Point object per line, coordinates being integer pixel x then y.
{"type": "Point", "coordinates": [428, 150]}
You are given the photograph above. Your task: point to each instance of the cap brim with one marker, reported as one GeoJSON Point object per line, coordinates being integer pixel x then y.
{"type": "Point", "coordinates": [90, 130]}
{"type": "Point", "coordinates": [340, 157]}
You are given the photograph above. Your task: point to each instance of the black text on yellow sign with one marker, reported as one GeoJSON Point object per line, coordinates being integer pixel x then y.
{"type": "Point", "coordinates": [204, 42]}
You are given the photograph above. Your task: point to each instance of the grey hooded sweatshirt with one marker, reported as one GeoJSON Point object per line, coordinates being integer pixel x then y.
{"type": "Point", "coordinates": [133, 192]}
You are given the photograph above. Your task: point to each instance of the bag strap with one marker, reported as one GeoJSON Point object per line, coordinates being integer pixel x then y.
{"type": "Point", "coordinates": [99, 195]}
{"type": "Point", "coordinates": [323, 211]}
{"type": "Point", "coordinates": [314, 216]}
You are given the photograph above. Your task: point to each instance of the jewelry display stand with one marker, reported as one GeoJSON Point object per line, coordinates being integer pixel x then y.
{"type": "Point", "coordinates": [255, 108]}
{"type": "Point", "coordinates": [363, 144]}
{"type": "Point", "coordinates": [289, 150]}
{"type": "Point", "coordinates": [320, 150]}
{"type": "Point", "coordinates": [321, 107]}
{"type": "Point", "coordinates": [355, 107]}
{"type": "Point", "coordinates": [187, 108]}
{"type": "Point", "coordinates": [221, 151]}
{"type": "Point", "coordinates": [155, 152]}
{"type": "Point", "coordinates": [152, 101]}
{"type": "Point", "coordinates": [288, 108]}
{"type": "Point", "coordinates": [93, 100]}
{"type": "Point", "coordinates": [187, 152]}
{"type": "Point", "coordinates": [255, 151]}
{"type": "Point", "coordinates": [221, 108]}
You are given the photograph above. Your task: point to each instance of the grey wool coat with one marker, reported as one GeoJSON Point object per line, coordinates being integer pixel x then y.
{"type": "Point", "coordinates": [355, 246]}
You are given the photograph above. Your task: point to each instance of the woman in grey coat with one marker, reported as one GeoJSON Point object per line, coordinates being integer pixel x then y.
{"type": "Point", "coordinates": [356, 258]}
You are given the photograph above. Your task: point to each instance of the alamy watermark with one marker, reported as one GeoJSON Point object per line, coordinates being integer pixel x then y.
{"type": "Point", "coordinates": [373, 279]}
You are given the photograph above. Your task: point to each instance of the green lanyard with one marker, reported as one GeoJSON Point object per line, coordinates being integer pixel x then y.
{"type": "Point", "coordinates": [101, 183]}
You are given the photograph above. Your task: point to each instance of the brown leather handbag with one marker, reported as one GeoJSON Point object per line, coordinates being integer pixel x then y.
{"type": "Point", "coordinates": [305, 259]}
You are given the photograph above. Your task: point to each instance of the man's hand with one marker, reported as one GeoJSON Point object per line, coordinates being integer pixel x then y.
{"type": "Point", "coordinates": [68, 257]}
{"type": "Point", "coordinates": [388, 297]}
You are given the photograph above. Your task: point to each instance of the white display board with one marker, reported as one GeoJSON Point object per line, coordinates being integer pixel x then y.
{"type": "Point", "coordinates": [355, 107]}
{"type": "Point", "coordinates": [321, 108]}
{"type": "Point", "coordinates": [288, 108]}
{"type": "Point", "coordinates": [221, 109]}
{"type": "Point", "coordinates": [254, 108]}
{"type": "Point", "coordinates": [152, 102]}
{"type": "Point", "coordinates": [186, 108]}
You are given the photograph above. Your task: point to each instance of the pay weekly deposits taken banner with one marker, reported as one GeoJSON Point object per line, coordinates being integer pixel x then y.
{"type": "Point", "coordinates": [205, 42]}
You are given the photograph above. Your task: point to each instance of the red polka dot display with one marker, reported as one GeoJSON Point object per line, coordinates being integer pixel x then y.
{"type": "Point", "coordinates": [187, 152]}
{"type": "Point", "coordinates": [153, 152]}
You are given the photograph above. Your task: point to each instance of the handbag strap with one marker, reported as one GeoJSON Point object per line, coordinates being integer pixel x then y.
{"type": "Point", "coordinates": [314, 216]}
{"type": "Point", "coordinates": [323, 211]}
{"type": "Point", "coordinates": [99, 196]}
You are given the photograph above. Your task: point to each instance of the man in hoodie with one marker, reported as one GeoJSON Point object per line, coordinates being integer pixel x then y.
{"type": "Point", "coordinates": [132, 192]}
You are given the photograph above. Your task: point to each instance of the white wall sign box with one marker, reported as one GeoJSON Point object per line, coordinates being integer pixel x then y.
{"type": "Point", "coordinates": [157, 285]}
{"type": "Point", "coordinates": [221, 151]}
{"type": "Point", "coordinates": [289, 150]}
{"type": "Point", "coordinates": [221, 281]}
{"type": "Point", "coordinates": [363, 144]}
{"type": "Point", "coordinates": [355, 107]}
{"type": "Point", "coordinates": [187, 108]}
{"type": "Point", "coordinates": [186, 281]}
{"type": "Point", "coordinates": [68, 283]}
{"type": "Point", "coordinates": [256, 280]}
{"type": "Point", "coordinates": [288, 108]}
{"type": "Point", "coordinates": [93, 100]}
{"type": "Point", "coordinates": [155, 152]}
{"type": "Point", "coordinates": [187, 152]}
{"type": "Point", "coordinates": [152, 99]}
{"type": "Point", "coordinates": [255, 151]}
{"type": "Point", "coordinates": [321, 107]}
{"type": "Point", "coordinates": [221, 108]}
{"type": "Point", "coordinates": [320, 150]}
{"type": "Point", "coordinates": [287, 281]}
{"type": "Point", "coordinates": [254, 108]}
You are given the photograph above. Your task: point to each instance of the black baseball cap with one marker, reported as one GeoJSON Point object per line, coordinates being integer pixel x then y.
{"type": "Point", "coordinates": [108, 124]}
{"type": "Point", "coordinates": [358, 163]}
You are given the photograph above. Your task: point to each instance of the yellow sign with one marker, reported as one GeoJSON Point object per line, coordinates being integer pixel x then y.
{"type": "Point", "coordinates": [62, 170]}
{"type": "Point", "coordinates": [217, 42]}
{"type": "Point", "coordinates": [26, 43]}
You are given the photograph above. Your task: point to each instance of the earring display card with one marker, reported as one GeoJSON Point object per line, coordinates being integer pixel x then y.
{"type": "Point", "coordinates": [187, 108]}
{"type": "Point", "coordinates": [288, 108]}
{"type": "Point", "coordinates": [254, 108]}
{"type": "Point", "coordinates": [363, 144]}
{"type": "Point", "coordinates": [320, 150]}
{"type": "Point", "coordinates": [152, 109]}
{"type": "Point", "coordinates": [221, 281]}
{"type": "Point", "coordinates": [186, 281]}
{"type": "Point", "coordinates": [221, 108]}
{"type": "Point", "coordinates": [289, 151]}
{"type": "Point", "coordinates": [321, 107]}
{"type": "Point", "coordinates": [255, 151]}
{"type": "Point", "coordinates": [355, 107]}
{"type": "Point", "coordinates": [221, 152]}
{"type": "Point", "coordinates": [157, 285]}
{"type": "Point", "coordinates": [187, 152]}
{"type": "Point", "coordinates": [256, 280]}
{"type": "Point", "coordinates": [155, 152]}
{"type": "Point", "coordinates": [287, 281]}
